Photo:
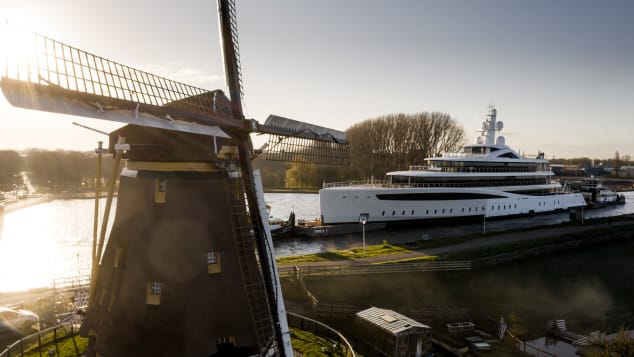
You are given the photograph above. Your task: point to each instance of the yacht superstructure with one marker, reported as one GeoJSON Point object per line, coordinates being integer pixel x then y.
{"type": "Point", "coordinates": [486, 179]}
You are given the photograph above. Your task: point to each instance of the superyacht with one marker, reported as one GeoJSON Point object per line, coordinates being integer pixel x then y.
{"type": "Point", "coordinates": [486, 179]}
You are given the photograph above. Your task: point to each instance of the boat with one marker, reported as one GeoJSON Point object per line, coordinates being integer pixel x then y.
{"type": "Point", "coordinates": [487, 179]}
{"type": "Point", "coordinates": [314, 228]}
{"type": "Point", "coordinates": [595, 194]}
{"type": "Point", "coordinates": [279, 227]}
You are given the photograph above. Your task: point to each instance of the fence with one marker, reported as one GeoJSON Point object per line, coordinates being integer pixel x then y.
{"type": "Point", "coordinates": [405, 267]}
{"type": "Point", "coordinates": [45, 339]}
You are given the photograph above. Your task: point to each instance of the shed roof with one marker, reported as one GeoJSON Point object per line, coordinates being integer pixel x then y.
{"type": "Point", "coordinates": [389, 320]}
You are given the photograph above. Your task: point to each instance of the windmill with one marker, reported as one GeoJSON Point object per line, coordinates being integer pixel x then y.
{"type": "Point", "coordinates": [188, 268]}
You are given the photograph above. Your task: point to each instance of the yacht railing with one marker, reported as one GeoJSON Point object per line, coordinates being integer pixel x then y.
{"type": "Point", "coordinates": [478, 169]}
{"type": "Point", "coordinates": [386, 184]}
{"type": "Point", "coordinates": [463, 154]}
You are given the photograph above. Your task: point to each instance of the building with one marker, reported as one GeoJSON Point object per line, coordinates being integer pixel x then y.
{"type": "Point", "coordinates": [389, 333]}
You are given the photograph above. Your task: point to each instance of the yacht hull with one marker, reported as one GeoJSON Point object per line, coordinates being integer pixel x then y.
{"type": "Point", "coordinates": [384, 204]}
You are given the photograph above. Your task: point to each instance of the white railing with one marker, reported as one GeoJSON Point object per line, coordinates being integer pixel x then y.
{"type": "Point", "coordinates": [369, 183]}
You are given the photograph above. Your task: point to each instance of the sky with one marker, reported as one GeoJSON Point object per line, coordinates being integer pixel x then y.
{"type": "Point", "coordinates": [559, 72]}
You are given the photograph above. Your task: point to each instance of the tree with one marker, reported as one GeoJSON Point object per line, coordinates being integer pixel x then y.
{"type": "Point", "coordinates": [395, 141]}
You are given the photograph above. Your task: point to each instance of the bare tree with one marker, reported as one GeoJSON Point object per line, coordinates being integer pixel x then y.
{"type": "Point", "coordinates": [395, 141]}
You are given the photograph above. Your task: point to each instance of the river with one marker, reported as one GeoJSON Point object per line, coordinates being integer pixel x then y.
{"type": "Point", "coordinates": [53, 240]}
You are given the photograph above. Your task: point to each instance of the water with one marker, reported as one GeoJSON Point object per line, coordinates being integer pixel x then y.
{"type": "Point", "coordinates": [54, 239]}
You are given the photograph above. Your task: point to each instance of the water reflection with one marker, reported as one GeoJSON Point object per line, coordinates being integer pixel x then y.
{"type": "Point", "coordinates": [42, 242]}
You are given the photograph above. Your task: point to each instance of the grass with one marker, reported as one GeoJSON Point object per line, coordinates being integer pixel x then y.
{"type": "Point", "coordinates": [309, 345]}
{"type": "Point", "coordinates": [353, 253]}
{"type": "Point", "coordinates": [65, 346]}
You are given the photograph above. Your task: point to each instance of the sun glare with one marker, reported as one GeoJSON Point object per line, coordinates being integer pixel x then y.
{"type": "Point", "coordinates": [19, 50]}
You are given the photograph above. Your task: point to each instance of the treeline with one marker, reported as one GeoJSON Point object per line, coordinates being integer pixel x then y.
{"type": "Point", "coordinates": [387, 143]}
{"type": "Point", "coordinates": [51, 171]}
{"type": "Point", "coordinates": [395, 141]}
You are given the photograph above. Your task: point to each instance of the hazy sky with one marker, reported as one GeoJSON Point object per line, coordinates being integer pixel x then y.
{"type": "Point", "coordinates": [560, 72]}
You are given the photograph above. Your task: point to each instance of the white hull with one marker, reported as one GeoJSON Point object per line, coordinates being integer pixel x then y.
{"type": "Point", "coordinates": [345, 204]}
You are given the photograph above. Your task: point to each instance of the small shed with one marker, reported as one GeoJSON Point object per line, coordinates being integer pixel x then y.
{"type": "Point", "coordinates": [392, 334]}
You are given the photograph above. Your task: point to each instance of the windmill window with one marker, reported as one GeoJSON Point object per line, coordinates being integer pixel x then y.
{"type": "Point", "coordinates": [155, 288]}
{"type": "Point", "coordinates": [213, 262]}
{"type": "Point", "coordinates": [212, 258]}
{"type": "Point", "coordinates": [153, 295]}
{"type": "Point", "coordinates": [160, 190]}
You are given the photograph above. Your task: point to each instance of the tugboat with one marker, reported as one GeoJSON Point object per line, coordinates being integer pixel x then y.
{"type": "Point", "coordinates": [595, 194]}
